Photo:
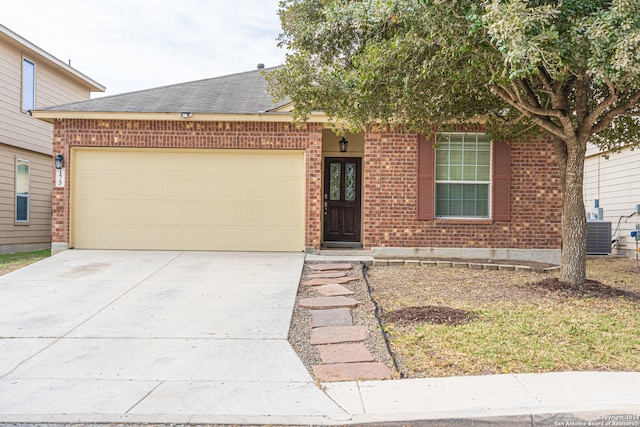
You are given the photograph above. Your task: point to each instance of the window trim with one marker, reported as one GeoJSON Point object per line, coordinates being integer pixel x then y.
{"type": "Point", "coordinates": [489, 183]}
{"type": "Point", "coordinates": [22, 85]}
{"type": "Point", "coordinates": [16, 195]}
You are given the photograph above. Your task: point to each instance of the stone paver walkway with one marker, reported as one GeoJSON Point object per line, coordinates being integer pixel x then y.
{"type": "Point", "coordinates": [328, 281]}
{"type": "Point", "coordinates": [340, 343]}
{"type": "Point", "coordinates": [331, 274]}
{"type": "Point", "coordinates": [327, 302]}
{"type": "Point", "coordinates": [333, 290]}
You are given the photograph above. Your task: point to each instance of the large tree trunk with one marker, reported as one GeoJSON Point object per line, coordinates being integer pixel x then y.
{"type": "Point", "coordinates": [573, 267]}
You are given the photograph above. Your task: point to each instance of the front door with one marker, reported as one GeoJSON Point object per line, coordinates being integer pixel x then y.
{"type": "Point", "coordinates": [342, 199]}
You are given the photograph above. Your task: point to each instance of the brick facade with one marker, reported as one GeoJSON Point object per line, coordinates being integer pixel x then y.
{"type": "Point", "coordinates": [188, 134]}
{"type": "Point", "coordinates": [390, 200]}
{"type": "Point", "coordinates": [389, 180]}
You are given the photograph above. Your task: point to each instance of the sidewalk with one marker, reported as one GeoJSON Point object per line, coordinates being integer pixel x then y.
{"type": "Point", "coordinates": [533, 399]}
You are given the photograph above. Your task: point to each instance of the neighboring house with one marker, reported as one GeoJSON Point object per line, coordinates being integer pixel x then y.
{"type": "Point", "coordinates": [30, 78]}
{"type": "Point", "coordinates": [613, 179]}
{"type": "Point", "coordinates": [215, 165]}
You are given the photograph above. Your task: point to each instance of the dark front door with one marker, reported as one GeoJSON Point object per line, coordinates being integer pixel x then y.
{"type": "Point", "coordinates": [342, 201]}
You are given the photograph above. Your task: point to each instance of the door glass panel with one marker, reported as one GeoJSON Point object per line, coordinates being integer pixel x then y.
{"type": "Point", "coordinates": [334, 181]}
{"type": "Point", "coordinates": [350, 181]}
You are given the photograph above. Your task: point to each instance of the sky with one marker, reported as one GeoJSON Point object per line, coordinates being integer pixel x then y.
{"type": "Point", "coordinates": [130, 45]}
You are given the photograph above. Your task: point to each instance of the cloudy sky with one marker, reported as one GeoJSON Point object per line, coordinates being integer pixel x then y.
{"type": "Point", "coordinates": [129, 45]}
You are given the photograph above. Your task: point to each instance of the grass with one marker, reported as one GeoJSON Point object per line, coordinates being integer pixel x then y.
{"type": "Point", "coordinates": [10, 262]}
{"type": "Point", "coordinates": [518, 329]}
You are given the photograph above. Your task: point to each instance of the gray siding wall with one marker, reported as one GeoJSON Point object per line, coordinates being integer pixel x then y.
{"type": "Point", "coordinates": [616, 183]}
{"type": "Point", "coordinates": [37, 233]}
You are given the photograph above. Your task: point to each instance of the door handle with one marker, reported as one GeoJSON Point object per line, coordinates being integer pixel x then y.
{"type": "Point", "coordinates": [325, 207]}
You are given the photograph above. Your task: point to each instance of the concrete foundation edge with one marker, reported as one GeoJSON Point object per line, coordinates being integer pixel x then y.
{"type": "Point", "coordinates": [550, 256]}
{"type": "Point", "coordinates": [23, 247]}
{"type": "Point", "coordinates": [57, 247]}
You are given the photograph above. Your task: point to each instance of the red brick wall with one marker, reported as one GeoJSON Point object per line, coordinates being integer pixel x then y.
{"type": "Point", "coordinates": [390, 200]}
{"type": "Point", "coordinates": [389, 180]}
{"type": "Point", "coordinates": [189, 134]}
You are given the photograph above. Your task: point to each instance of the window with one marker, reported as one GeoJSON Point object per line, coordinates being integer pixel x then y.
{"type": "Point", "coordinates": [500, 194]}
{"type": "Point", "coordinates": [462, 175]}
{"type": "Point", "coordinates": [28, 84]}
{"type": "Point", "coordinates": [22, 190]}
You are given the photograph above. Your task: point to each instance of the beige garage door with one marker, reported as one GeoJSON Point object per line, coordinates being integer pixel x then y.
{"type": "Point", "coordinates": [248, 200]}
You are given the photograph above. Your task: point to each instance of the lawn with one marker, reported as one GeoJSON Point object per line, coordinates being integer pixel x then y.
{"type": "Point", "coordinates": [476, 322]}
{"type": "Point", "coordinates": [10, 262]}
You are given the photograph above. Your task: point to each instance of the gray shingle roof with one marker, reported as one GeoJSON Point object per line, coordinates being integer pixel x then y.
{"type": "Point", "coordinates": [242, 93]}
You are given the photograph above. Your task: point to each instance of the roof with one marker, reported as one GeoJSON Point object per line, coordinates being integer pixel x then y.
{"type": "Point", "coordinates": [91, 84]}
{"type": "Point", "coordinates": [242, 93]}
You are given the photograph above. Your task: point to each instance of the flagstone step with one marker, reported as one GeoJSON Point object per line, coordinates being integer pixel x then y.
{"type": "Point", "coordinates": [337, 334]}
{"type": "Point", "coordinates": [345, 353]}
{"type": "Point", "coordinates": [323, 267]}
{"type": "Point", "coordinates": [327, 302]}
{"type": "Point", "coordinates": [327, 275]}
{"type": "Point", "coordinates": [352, 371]}
{"type": "Point", "coordinates": [332, 290]}
{"type": "Point", "coordinates": [331, 317]}
{"type": "Point", "coordinates": [329, 281]}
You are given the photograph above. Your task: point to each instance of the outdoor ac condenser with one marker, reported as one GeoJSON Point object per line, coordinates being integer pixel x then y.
{"type": "Point", "coordinates": [598, 237]}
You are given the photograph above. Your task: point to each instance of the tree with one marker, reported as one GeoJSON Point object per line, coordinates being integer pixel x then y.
{"type": "Point", "coordinates": [568, 68]}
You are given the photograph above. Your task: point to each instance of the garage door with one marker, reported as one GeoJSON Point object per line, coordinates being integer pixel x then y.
{"type": "Point", "coordinates": [249, 200]}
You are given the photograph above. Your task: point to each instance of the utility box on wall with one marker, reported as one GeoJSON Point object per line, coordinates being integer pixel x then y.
{"type": "Point", "coordinates": [598, 237]}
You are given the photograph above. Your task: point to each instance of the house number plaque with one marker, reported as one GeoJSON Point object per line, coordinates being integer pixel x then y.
{"type": "Point", "coordinates": [59, 178]}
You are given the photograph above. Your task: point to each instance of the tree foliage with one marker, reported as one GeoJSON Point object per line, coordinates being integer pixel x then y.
{"type": "Point", "coordinates": [424, 63]}
{"type": "Point", "coordinates": [569, 68]}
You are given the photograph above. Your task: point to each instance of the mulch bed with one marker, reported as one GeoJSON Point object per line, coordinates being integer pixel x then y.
{"type": "Point", "coordinates": [589, 289]}
{"type": "Point", "coordinates": [428, 314]}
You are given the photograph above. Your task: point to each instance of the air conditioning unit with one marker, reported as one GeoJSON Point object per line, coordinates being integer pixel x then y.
{"type": "Point", "coordinates": [598, 237]}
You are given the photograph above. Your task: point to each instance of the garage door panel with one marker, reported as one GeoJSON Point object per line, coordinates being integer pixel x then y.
{"type": "Point", "coordinates": [186, 238]}
{"type": "Point", "coordinates": [188, 199]}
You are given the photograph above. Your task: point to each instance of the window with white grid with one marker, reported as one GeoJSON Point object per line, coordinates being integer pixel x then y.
{"type": "Point", "coordinates": [462, 175]}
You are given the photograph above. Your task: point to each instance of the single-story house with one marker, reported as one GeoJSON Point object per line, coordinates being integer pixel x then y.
{"type": "Point", "coordinates": [216, 165]}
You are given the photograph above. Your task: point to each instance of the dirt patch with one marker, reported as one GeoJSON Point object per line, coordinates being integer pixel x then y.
{"type": "Point", "coordinates": [428, 314]}
{"type": "Point", "coordinates": [408, 286]}
{"type": "Point", "coordinates": [589, 289]}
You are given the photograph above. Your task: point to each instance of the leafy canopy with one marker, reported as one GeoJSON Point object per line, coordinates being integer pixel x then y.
{"type": "Point", "coordinates": [571, 68]}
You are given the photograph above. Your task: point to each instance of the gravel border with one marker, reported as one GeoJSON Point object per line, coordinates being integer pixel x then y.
{"type": "Point", "coordinates": [362, 314]}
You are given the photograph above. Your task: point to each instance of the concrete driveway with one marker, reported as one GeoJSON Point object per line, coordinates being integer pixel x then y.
{"type": "Point", "coordinates": [115, 336]}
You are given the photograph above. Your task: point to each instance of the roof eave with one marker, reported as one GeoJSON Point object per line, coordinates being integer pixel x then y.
{"type": "Point", "coordinates": [89, 82]}
{"type": "Point", "coordinates": [52, 116]}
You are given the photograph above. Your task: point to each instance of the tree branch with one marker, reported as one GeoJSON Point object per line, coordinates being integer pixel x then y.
{"type": "Point", "coordinates": [545, 78]}
{"type": "Point", "coordinates": [624, 78]}
{"type": "Point", "coordinates": [514, 95]}
{"type": "Point", "coordinates": [541, 120]}
{"type": "Point", "coordinates": [606, 120]}
{"type": "Point", "coordinates": [610, 100]}
{"type": "Point", "coordinates": [516, 91]}
{"type": "Point", "coordinates": [582, 100]}
{"type": "Point", "coordinates": [531, 96]}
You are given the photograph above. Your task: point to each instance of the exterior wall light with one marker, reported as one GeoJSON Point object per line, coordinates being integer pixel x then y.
{"type": "Point", "coordinates": [185, 114]}
{"type": "Point", "coordinates": [59, 159]}
{"type": "Point", "coordinates": [343, 145]}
